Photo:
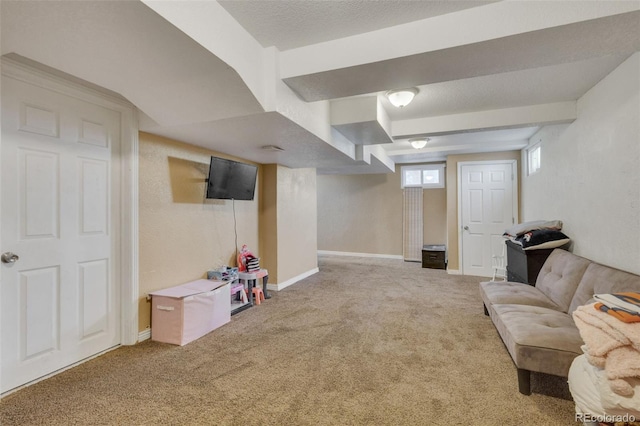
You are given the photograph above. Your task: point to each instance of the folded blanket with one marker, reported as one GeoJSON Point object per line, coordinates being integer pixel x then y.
{"type": "Point", "coordinates": [602, 332]}
{"type": "Point", "coordinates": [610, 344]}
{"type": "Point", "coordinates": [618, 313]}
{"type": "Point", "coordinates": [622, 363]}
{"type": "Point", "coordinates": [629, 301]}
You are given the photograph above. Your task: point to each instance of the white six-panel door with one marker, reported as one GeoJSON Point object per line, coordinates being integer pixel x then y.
{"type": "Point", "coordinates": [487, 208]}
{"type": "Point", "coordinates": [60, 215]}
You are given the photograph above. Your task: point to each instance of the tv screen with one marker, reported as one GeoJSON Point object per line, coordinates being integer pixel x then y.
{"type": "Point", "coordinates": [231, 180]}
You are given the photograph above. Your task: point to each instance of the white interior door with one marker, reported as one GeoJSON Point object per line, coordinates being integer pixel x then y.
{"type": "Point", "coordinates": [488, 207]}
{"type": "Point", "coordinates": [59, 213]}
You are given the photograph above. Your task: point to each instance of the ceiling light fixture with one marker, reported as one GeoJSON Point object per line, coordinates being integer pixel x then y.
{"type": "Point", "coordinates": [272, 148]}
{"type": "Point", "coordinates": [402, 97]}
{"type": "Point", "coordinates": [419, 143]}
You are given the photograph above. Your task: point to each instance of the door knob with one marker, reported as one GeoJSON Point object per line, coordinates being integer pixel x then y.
{"type": "Point", "coordinates": [8, 257]}
{"type": "Point", "coordinates": [466, 228]}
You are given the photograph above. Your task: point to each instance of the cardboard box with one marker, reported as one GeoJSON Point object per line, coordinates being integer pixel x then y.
{"type": "Point", "coordinates": [187, 312]}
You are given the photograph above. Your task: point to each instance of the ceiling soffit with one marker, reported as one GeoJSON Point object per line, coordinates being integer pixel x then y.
{"type": "Point", "coordinates": [193, 96]}
{"type": "Point", "coordinates": [129, 49]}
{"type": "Point", "coordinates": [288, 24]}
{"type": "Point", "coordinates": [246, 136]}
{"type": "Point", "coordinates": [362, 120]}
{"type": "Point", "coordinates": [557, 45]}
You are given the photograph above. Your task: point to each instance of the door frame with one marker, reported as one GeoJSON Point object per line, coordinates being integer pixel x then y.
{"type": "Point", "coordinates": [42, 76]}
{"type": "Point", "coordinates": [516, 212]}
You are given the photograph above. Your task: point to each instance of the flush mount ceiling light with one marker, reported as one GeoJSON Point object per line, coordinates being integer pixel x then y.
{"type": "Point", "coordinates": [419, 143]}
{"type": "Point", "coordinates": [402, 97]}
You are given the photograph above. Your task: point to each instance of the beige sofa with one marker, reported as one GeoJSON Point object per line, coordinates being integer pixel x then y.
{"type": "Point", "coordinates": [535, 323]}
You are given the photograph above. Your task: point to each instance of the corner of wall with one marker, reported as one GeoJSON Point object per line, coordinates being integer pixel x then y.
{"type": "Point", "coordinates": [267, 223]}
{"type": "Point", "coordinates": [297, 222]}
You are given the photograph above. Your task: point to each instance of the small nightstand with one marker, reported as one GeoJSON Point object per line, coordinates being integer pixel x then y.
{"type": "Point", "coordinates": [434, 256]}
{"type": "Point", "coordinates": [523, 266]}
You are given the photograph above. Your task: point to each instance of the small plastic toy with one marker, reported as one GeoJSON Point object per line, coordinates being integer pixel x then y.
{"type": "Point", "coordinates": [244, 257]}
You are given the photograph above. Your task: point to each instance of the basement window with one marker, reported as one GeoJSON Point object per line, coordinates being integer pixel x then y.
{"type": "Point", "coordinates": [425, 176]}
{"type": "Point", "coordinates": [533, 159]}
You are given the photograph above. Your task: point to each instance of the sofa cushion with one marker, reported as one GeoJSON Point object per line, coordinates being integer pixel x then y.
{"type": "Point", "coordinates": [599, 279]}
{"type": "Point", "coordinates": [500, 292]}
{"type": "Point", "coordinates": [538, 339]}
{"type": "Point", "coordinates": [560, 275]}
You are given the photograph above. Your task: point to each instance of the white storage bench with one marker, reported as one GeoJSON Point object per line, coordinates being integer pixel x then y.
{"type": "Point", "coordinates": [187, 312]}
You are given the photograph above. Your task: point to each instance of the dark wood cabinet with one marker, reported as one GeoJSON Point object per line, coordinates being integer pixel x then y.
{"type": "Point", "coordinates": [523, 266]}
{"type": "Point", "coordinates": [434, 256]}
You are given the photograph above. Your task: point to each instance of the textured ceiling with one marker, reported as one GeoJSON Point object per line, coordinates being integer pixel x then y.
{"type": "Point", "coordinates": [287, 24]}
{"type": "Point", "coordinates": [565, 82]}
{"type": "Point", "coordinates": [200, 75]}
{"type": "Point", "coordinates": [562, 44]}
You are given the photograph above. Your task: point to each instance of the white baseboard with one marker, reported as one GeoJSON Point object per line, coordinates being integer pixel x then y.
{"type": "Point", "coordinates": [291, 281]}
{"type": "Point", "coordinates": [349, 253]}
{"type": "Point", "coordinates": [144, 335]}
{"type": "Point", "coordinates": [454, 272]}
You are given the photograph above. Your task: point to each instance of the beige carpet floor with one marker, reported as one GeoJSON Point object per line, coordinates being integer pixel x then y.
{"type": "Point", "coordinates": [363, 342]}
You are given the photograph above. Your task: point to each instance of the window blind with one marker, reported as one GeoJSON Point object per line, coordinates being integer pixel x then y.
{"type": "Point", "coordinates": [412, 224]}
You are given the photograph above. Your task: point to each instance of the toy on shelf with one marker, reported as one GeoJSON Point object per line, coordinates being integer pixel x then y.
{"type": "Point", "coordinates": [247, 262]}
{"type": "Point", "coordinates": [223, 273]}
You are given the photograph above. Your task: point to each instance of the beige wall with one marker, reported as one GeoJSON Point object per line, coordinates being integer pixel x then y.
{"type": "Point", "coordinates": [360, 213]}
{"type": "Point", "coordinates": [297, 222]}
{"type": "Point", "coordinates": [182, 235]}
{"type": "Point", "coordinates": [288, 222]}
{"type": "Point", "coordinates": [363, 214]}
{"type": "Point", "coordinates": [590, 175]}
{"type": "Point", "coordinates": [452, 196]}
{"type": "Point", "coordinates": [434, 206]}
{"type": "Point", "coordinates": [268, 220]}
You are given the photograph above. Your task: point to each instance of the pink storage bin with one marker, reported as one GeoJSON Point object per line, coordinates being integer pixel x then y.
{"type": "Point", "coordinates": [181, 314]}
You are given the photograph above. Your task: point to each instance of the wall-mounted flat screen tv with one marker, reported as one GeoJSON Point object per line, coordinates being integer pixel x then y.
{"type": "Point", "coordinates": [231, 180]}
